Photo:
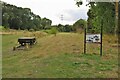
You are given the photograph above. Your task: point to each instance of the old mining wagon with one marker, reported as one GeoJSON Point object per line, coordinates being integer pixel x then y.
{"type": "Point", "coordinates": [25, 42]}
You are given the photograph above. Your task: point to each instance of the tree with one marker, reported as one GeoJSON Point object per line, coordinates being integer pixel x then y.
{"type": "Point", "coordinates": [14, 17]}
{"type": "Point", "coordinates": [61, 28]}
{"type": "Point", "coordinates": [68, 28]}
{"type": "Point", "coordinates": [101, 11]}
{"type": "Point", "coordinates": [106, 14]}
{"type": "Point", "coordinates": [46, 23]}
{"type": "Point", "coordinates": [79, 25]}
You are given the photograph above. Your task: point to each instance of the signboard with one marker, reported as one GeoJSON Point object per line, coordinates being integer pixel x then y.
{"type": "Point", "coordinates": [93, 38]}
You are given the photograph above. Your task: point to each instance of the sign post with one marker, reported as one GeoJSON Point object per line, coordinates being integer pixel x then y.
{"type": "Point", "coordinates": [85, 41]}
{"type": "Point", "coordinates": [101, 37]}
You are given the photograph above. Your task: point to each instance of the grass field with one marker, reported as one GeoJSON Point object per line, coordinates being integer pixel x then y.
{"type": "Point", "coordinates": [59, 56]}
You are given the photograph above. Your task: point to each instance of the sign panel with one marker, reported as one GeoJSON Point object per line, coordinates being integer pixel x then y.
{"type": "Point", "coordinates": [93, 38]}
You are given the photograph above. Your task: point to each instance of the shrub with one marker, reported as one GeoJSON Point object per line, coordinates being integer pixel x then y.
{"type": "Point", "coordinates": [31, 30]}
{"type": "Point", "coordinates": [54, 31]}
{"type": "Point", "coordinates": [47, 31]}
{"type": "Point", "coordinates": [2, 28]}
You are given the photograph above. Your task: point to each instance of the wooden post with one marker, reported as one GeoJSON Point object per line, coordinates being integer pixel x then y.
{"type": "Point", "coordinates": [101, 37]}
{"type": "Point", "coordinates": [85, 41]}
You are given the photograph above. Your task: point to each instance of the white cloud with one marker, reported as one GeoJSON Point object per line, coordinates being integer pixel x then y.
{"type": "Point", "coordinates": [53, 9]}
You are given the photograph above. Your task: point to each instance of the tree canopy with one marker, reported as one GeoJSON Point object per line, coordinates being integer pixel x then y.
{"type": "Point", "coordinates": [14, 17]}
{"type": "Point", "coordinates": [98, 12]}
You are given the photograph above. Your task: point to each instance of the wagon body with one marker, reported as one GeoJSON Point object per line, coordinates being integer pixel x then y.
{"type": "Point", "coordinates": [24, 40]}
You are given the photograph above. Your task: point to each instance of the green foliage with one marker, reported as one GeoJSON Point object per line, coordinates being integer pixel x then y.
{"type": "Point", "coordinates": [2, 28]}
{"type": "Point", "coordinates": [99, 12]}
{"type": "Point", "coordinates": [63, 28]}
{"type": "Point", "coordinates": [80, 24]}
{"type": "Point", "coordinates": [46, 23]}
{"type": "Point", "coordinates": [53, 31]}
{"type": "Point", "coordinates": [22, 18]}
{"type": "Point", "coordinates": [79, 2]}
{"type": "Point", "coordinates": [31, 30]}
{"type": "Point", "coordinates": [68, 28]}
{"type": "Point", "coordinates": [47, 31]}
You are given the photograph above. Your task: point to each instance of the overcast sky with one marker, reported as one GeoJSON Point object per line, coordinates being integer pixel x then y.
{"type": "Point", "coordinates": [53, 9]}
